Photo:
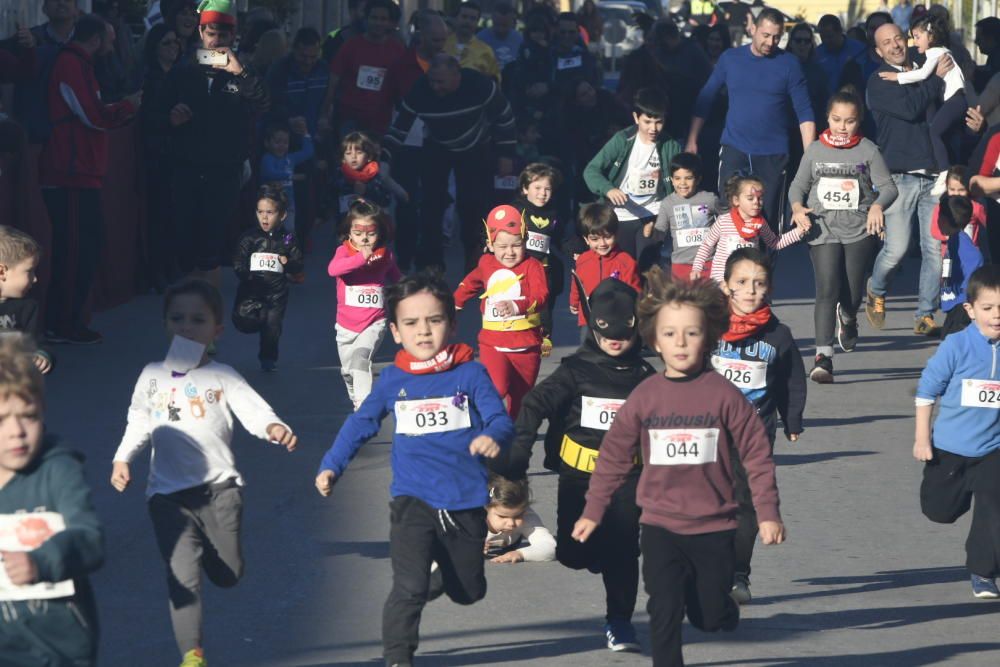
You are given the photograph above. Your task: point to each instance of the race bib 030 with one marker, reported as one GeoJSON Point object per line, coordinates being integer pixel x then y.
{"type": "Point", "coordinates": [431, 415]}
{"type": "Point", "coordinates": [599, 413]}
{"type": "Point", "coordinates": [683, 446]}
{"type": "Point", "coordinates": [743, 374]}
{"type": "Point", "coordinates": [363, 296]}
{"type": "Point", "coordinates": [981, 394]}
{"type": "Point", "coordinates": [266, 261]}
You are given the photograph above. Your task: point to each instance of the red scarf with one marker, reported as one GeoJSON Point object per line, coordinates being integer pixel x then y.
{"type": "Point", "coordinates": [748, 229]}
{"type": "Point", "coordinates": [744, 326]}
{"type": "Point", "coordinates": [363, 175]}
{"type": "Point", "coordinates": [377, 255]}
{"type": "Point", "coordinates": [448, 358]}
{"type": "Point", "coordinates": [832, 140]}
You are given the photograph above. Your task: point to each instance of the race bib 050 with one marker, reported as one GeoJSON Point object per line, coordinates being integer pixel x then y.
{"type": "Point", "coordinates": [599, 413]}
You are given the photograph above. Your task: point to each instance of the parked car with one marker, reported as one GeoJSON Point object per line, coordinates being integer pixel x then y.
{"type": "Point", "coordinates": [621, 12]}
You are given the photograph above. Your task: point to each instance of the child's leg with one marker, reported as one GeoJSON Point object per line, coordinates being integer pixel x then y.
{"type": "Point", "coordinates": [827, 261]}
{"type": "Point", "coordinates": [665, 572]}
{"type": "Point", "coordinates": [709, 604]}
{"type": "Point", "coordinates": [500, 370]}
{"type": "Point", "coordinates": [569, 506]}
{"type": "Point", "coordinates": [270, 332]}
{"type": "Point", "coordinates": [525, 366]}
{"type": "Point", "coordinates": [746, 517]}
{"type": "Point", "coordinates": [619, 545]}
{"type": "Point", "coordinates": [345, 348]}
{"type": "Point", "coordinates": [945, 492]}
{"type": "Point", "coordinates": [982, 548]}
{"type": "Point", "coordinates": [950, 114]}
{"type": "Point", "coordinates": [221, 519]}
{"type": "Point", "coordinates": [858, 260]}
{"type": "Point", "coordinates": [357, 356]}
{"type": "Point", "coordinates": [412, 536]}
{"type": "Point", "coordinates": [459, 553]}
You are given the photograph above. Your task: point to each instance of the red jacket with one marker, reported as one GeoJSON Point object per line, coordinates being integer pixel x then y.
{"type": "Point", "coordinates": [525, 285]}
{"type": "Point", "coordinates": [76, 155]}
{"type": "Point", "coordinates": [977, 223]}
{"type": "Point", "coordinates": [593, 268]}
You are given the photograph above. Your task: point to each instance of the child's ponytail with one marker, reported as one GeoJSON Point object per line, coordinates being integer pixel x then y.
{"type": "Point", "coordinates": [508, 493]}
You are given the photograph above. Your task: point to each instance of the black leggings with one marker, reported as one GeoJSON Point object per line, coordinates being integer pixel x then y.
{"type": "Point", "coordinates": [840, 270]}
{"type": "Point", "coordinates": [950, 115]}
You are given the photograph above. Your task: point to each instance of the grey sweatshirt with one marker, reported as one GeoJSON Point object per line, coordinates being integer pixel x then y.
{"type": "Point", "coordinates": [688, 221]}
{"type": "Point", "coordinates": [841, 185]}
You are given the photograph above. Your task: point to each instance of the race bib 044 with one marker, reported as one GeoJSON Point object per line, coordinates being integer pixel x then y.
{"type": "Point", "coordinates": [363, 296]}
{"type": "Point", "coordinates": [599, 413]}
{"type": "Point", "coordinates": [371, 78]}
{"type": "Point", "coordinates": [981, 394]}
{"type": "Point", "coordinates": [683, 446]}
{"type": "Point", "coordinates": [266, 261]}
{"type": "Point", "coordinates": [743, 374]}
{"type": "Point", "coordinates": [431, 415]}
{"type": "Point", "coordinates": [839, 194]}
{"type": "Point", "coordinates": [538, 242]}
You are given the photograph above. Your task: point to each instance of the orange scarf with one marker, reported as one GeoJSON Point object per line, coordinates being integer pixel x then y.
{"type": "Point", "coordinates": [744, 326]}
{"type": "Point", "coordinates": [446, 359]}
{"type": "Point", "coordinates": [748, 229]}
{"type": "Point", "coordinates": [832, 140]}
{"type": "Point", "coordinates": [363, 175]}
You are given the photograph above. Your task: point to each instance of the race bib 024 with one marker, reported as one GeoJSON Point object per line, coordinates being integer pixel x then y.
{"type": "Point", "coordinates": [599, 413]}
{"type": "Point", "coordinates": [683, 446]}
{"type": "Point", "coordinates": [981, 394]}
{"type": "Point", "coordinates": [431, 415]}
{"type": "Point", "coordinates": [266, 261]}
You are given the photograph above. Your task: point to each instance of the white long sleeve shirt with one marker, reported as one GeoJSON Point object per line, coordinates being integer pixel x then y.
{"type": "Point", "coordinates": [954, 80]}
{"type": "Point", "coordinates": [188, 419]}
{"type": "Point", "coordinates": [532, 539]}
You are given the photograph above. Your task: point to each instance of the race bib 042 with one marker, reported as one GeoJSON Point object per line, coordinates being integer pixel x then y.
{"type": "Point", "coordinates": [363, 296]}
{"type": "Point", "coordinates": [683, 446]}
{"type": "Point", "coordinates": [431, 415]}
{"type": "Point", "coordinates": [839, 194]}
{"type": "Point", "coordinates": [981, 394]}
{"type": "Point", "coordinates": [371, 78]}
{"type": "Point", "coordinates": [599, 413]}
{"type": "Point", "coordinates": [538, 242]}
{"type": "Point", "coordinates": [266, 261]}
{"type": "Point", "coordinates": [743, 374]}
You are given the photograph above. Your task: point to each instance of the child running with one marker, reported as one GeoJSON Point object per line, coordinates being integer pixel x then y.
{"type": "Point", "coordinates": [956, 187]}
{"type": "Point", "coordinates": [265, 259]}
{"type": "Point", "coordinates": [362, 175]}
{"type": "Point", "coordinates": [686, 215]}
{"type": "Point", "coordinates": [931, 36]}
{"type": "Point", "coordinates": [514, 531]}
{"type": "Point", "coordinates": [599, 227]}
{"type": "Point", "coordinates": [52, 537]}
{"type": "Point", "coordinates": [363, 265]}
{"type": "Point", "coordinates": [183, 407]}
{"type": "Point", "coordinates": [961, 259]}
{"type": "Point", "coordinates": [277, 165]}
{"type": "Point", "coordinates": [580, 400]}
{"type": "Point", "coordinates": [841, 188]}
{"type": "Point", "coordinates": [19, 257]}
{"type": "Point", "coordinates": [540, 216]}
{"type": "Point", "coordinates": [448, 418]}
{"type": "Point", "coordinates": [759, 355]}
{"type": "Point", "coordinates": [962, 453]}
{"type": "Point", "coordinates": [515, 293]}
{"type": "Point", "coordinates": [685, 426]}
{"type": "Point", "coordinates": [742, 226]}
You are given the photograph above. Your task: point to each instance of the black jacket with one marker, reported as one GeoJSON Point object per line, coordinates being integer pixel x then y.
{"type": "Point", "coordinates": [559, 398]}
{"type": "Point", "coordinates": [265, 284]}
{"type": "Point", "coordinates": [541, 220]}
{"type": "Point", "coordinates": [222, 111]}
{"type": "Point", "coordinates": [22, 315]}
{"type": "Point", "coordinates": [900, 115]}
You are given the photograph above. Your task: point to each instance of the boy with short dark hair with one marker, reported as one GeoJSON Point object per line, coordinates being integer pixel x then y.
{"type": "Point", "coordinates": [19, 257]}
{"type": "Point", "coordinates": [962, 453]}
{"type": "Point", "coordinates": [278, 165]}
{"type": "Point", "coordinates": [53, 538]}
{"type": "Point", "coordinates": [686, 214]}
{"type": "Point", "coordinates": [629, 173]}
{"type": "Point", "coordinates": [961, 258]}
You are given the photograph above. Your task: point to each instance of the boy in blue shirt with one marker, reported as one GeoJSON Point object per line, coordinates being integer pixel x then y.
{"type": "Point", "coordinates": [277, 165]}
{"type": "Point", "coordinates": [961, 257]}
{"type": "Point", "coordinates": [448, 417]}
{"type": "Point", "coordinates": [963, 456]}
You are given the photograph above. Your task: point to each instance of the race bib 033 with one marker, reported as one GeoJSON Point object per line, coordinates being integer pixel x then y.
{"type": "Point", "coordinates": [431, 415]}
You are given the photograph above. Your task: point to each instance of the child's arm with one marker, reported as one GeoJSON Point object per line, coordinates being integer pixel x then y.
{"type": "Point", "coordinates": [534, 289]}
{"type": "Point", "coordinates": [541, 546]}
{"type": "Point", "coordinates": [706, 249]}
{"type": "Point", "coordinates": [241, 259]}
{"type": "Point", "coordinates": [630, 275]}
{"type": "Point", "coordinates": [32, 326]}
{"type": "Point", "coordinates": [923, 450]}
{"type": "Point", "coordinates": [754, 448]}
{"type": "Point", "coordinates": [359, 428]}
{"type": "Point", "coordinates": [392, 273]}
{"type": "Point", "coordinates": [271, 169]}
{"type": "Point", "coordinates": [919, 74]}
{"type": "Point", "coordinates": [788, 238]}
{"type": "Point", "coordinates": [257, 417]}
{"type": "Point", "coordinates": [305, 153]}
{"type": "Point", "coordinates": [344, 262]}
{"type": "Point", "coordinates": [79, 549]}
{"type": "Point", "coordinates": [887, 193]}
{"type": "Point", "coordinates": [385, 171]}
{"type": "Point", "coordinates": [934, 380]}
{"type": "Point", "coordinates": [550, 397]}
{"type": "Point", "coordinates": [791, 389]}
{"type": "Point", "coordinates": [296, 262]}
{"type": "Point", "coordinates": [470, 286]}
{"type": "Point", "coordinates": [600, 164]}
{"type": "Point", "coordinates": [574, 296]}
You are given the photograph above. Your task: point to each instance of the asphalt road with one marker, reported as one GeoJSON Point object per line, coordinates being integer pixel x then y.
{"type": "Point", "coordinates": [864, 579]}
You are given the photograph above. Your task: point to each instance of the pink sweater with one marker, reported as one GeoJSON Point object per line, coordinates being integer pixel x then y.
{"type": "Point", "coordinates": [351, 270]}
{"type": "Point", "coordinates": [724, 239]}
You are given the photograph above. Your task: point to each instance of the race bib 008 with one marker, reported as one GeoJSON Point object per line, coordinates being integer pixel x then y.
{"type": "Point", "coordinates": [363, 296]}
{"type": "Point", "coordinates": [266, 261]}
{"type": "Point", "coordinates": [538, 242]}
{"type": "Point", "coordinates": [683, 446]}
{"type": "Point", "coordinates": [599, 413]}
{"type": "Point", "coordinates": [371, 78]}
{"type": "Point", "coordinates": [431, 415]}
{"type": "Point", "coordinates": [981, 394]}
{"type": "Point", "coordinates": [691, 238]}
{"type": "Point", "coordinates": [839, 194]}
{"type": "Point", "coordinates": [743, 374]}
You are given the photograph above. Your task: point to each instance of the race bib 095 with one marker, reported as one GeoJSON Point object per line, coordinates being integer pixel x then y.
{"type": "Point", "coordinates": [371, 78]}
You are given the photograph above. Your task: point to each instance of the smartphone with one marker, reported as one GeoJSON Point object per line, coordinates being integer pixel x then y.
{"type": "Point", "coordinates": [211, 57]}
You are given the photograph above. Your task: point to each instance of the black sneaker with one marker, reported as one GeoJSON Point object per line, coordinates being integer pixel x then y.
{"type": "Point", "coordinates": [54, 337]}
{"type": "Point", "coordinates": [847, 332]}
{"type": "Point", "coordinates": [82, 336]}
{"type": "Point", "coordinates": [822, 372]}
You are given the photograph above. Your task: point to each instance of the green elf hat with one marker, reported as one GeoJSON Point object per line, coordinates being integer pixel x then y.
{"type": "Point", "coordinates": [217, 11]}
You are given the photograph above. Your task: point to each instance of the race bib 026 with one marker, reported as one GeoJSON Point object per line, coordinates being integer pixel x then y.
{"type": "Point", "coordinates": [431, 415]}
{"type": "Point", "coordinates": [599, 413]}
{"type": "Point", "coordinates": [538, 242]}
{"type": "Point", "coordinates": [839, 194]}
{"type": "Point", "coordinates": [363, 296]}
{"type": "Point", "coordinates": [743, 374]}
{"type": "Point", "coordinates": [683, 446]}
{"type": "Point", "coordinates": [371, 78]}
{"type": "Point", "coordinates": [981, 394]}
{"type": "Point", "coordinates": [266, 261]}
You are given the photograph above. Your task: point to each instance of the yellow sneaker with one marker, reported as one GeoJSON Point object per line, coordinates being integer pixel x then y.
{"type": "Point", "coordinates": [546, 347]}
{"type": "Point", "coordinates": [194, 658]}
{"type": "Point", "coordinates": [925, 326]}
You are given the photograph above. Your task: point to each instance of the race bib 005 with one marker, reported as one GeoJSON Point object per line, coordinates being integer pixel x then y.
{"type": "Point", "coordinates": [491, 314]}
{"type": "Point", "coordinates": [743, 374]}
{"type": "Point", "coordinates": [371, 78]}
{"type": "Point", "coordinates": [683, 446]}
{"type": "Point", "coordinates": [599, 413]}
{"type": "Point", "coordinates": [538, 242]}
{"type": "Point", "coordinates": [266, 261]}
{"type": "Point", "coordinates": [981, 394]}
{"type": "Point", "coordinates": [431, 415]}
{"type": "Point", "coordinates": [363, 296]}
{"type": "Point", "coordinates": [839, 194]}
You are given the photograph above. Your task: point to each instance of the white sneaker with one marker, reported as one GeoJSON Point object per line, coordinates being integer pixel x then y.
{"type": "Point", "coordinates": [940, 184]}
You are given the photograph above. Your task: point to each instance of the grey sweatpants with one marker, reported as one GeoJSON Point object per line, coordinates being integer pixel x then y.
{"type": "Point", "coordinates": [356, 351]}
{"type": "Point", "coordinates": [197, 528]}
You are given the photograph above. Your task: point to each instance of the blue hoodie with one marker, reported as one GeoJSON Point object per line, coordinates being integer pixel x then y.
{"type": "Point", "coordinates": [966, 355]}
{"type": "Point", "coordinates": [965, 258]}
{"type": "Point", "coordinates": [436, 468]}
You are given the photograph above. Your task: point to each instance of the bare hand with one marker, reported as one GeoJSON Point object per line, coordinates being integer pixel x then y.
{"type": "Point", "coordinates": [876, 220]}
{"type": "Point", "coordinates": [922, 450]}
{"type": "Point", "coordinates": [505, 308]}
{"type": "Point", "coordinates": [120, 475]}
{"type": "Point", "coordinates": [647, 229]}
{"type": "Point", "coordinates": [280, 435]}
{"type": "Point", "coordinates": [944, 65]}
{"type": "Point", "coordinates": [180, 114]}
{"type": "Point", "coordinates": [793, 437]}
{"type": "Point", "coordinates": [232, 65]}
{"type": "Point", "coordinates": [800, 218]}
{"type": "Point", "coordinates": [505, 166]}
{"type": "Point", "coordinates": [888, 76]}
{"type": "Point", "coordinates": [325, 481]}
{"type": "Point", "coordinates": [43, 364]}
{"type": "Point", "coordinates": [24, 38]}
{"type": "Point", "coordinates": [486, 446]}
{"type": "Point", "coordinates": [20, 567]}
{"type": "Point", "coordinates": [617, 197]}
{"type": "Point", "coordinates": [695, 275]}
{"type": "Point", "coordinates": [574, 310]}
{"type": "Point", "coordinates": [974, 118]}
{"type": "Point", "coordinates": [583, 529]}
{"type": "Point", "coordinates": [771, 532]}
{"type": "Point", "coordinates": [510, 557]}
{"type": "Point", "coordinates": [298, 125]}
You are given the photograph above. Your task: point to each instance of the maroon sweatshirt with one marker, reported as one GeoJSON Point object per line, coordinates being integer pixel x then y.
{"type": "Point", "coordinates": [685, 429]}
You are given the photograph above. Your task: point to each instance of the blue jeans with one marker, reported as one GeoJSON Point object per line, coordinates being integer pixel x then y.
{"type": "Point", "coordinates": [914, 202]}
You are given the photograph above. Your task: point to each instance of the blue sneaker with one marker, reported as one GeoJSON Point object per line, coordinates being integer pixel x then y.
{"type": "Point", "coordinates": [621, 636]}
{"type": "Point", "coordinates": [984, 588]}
